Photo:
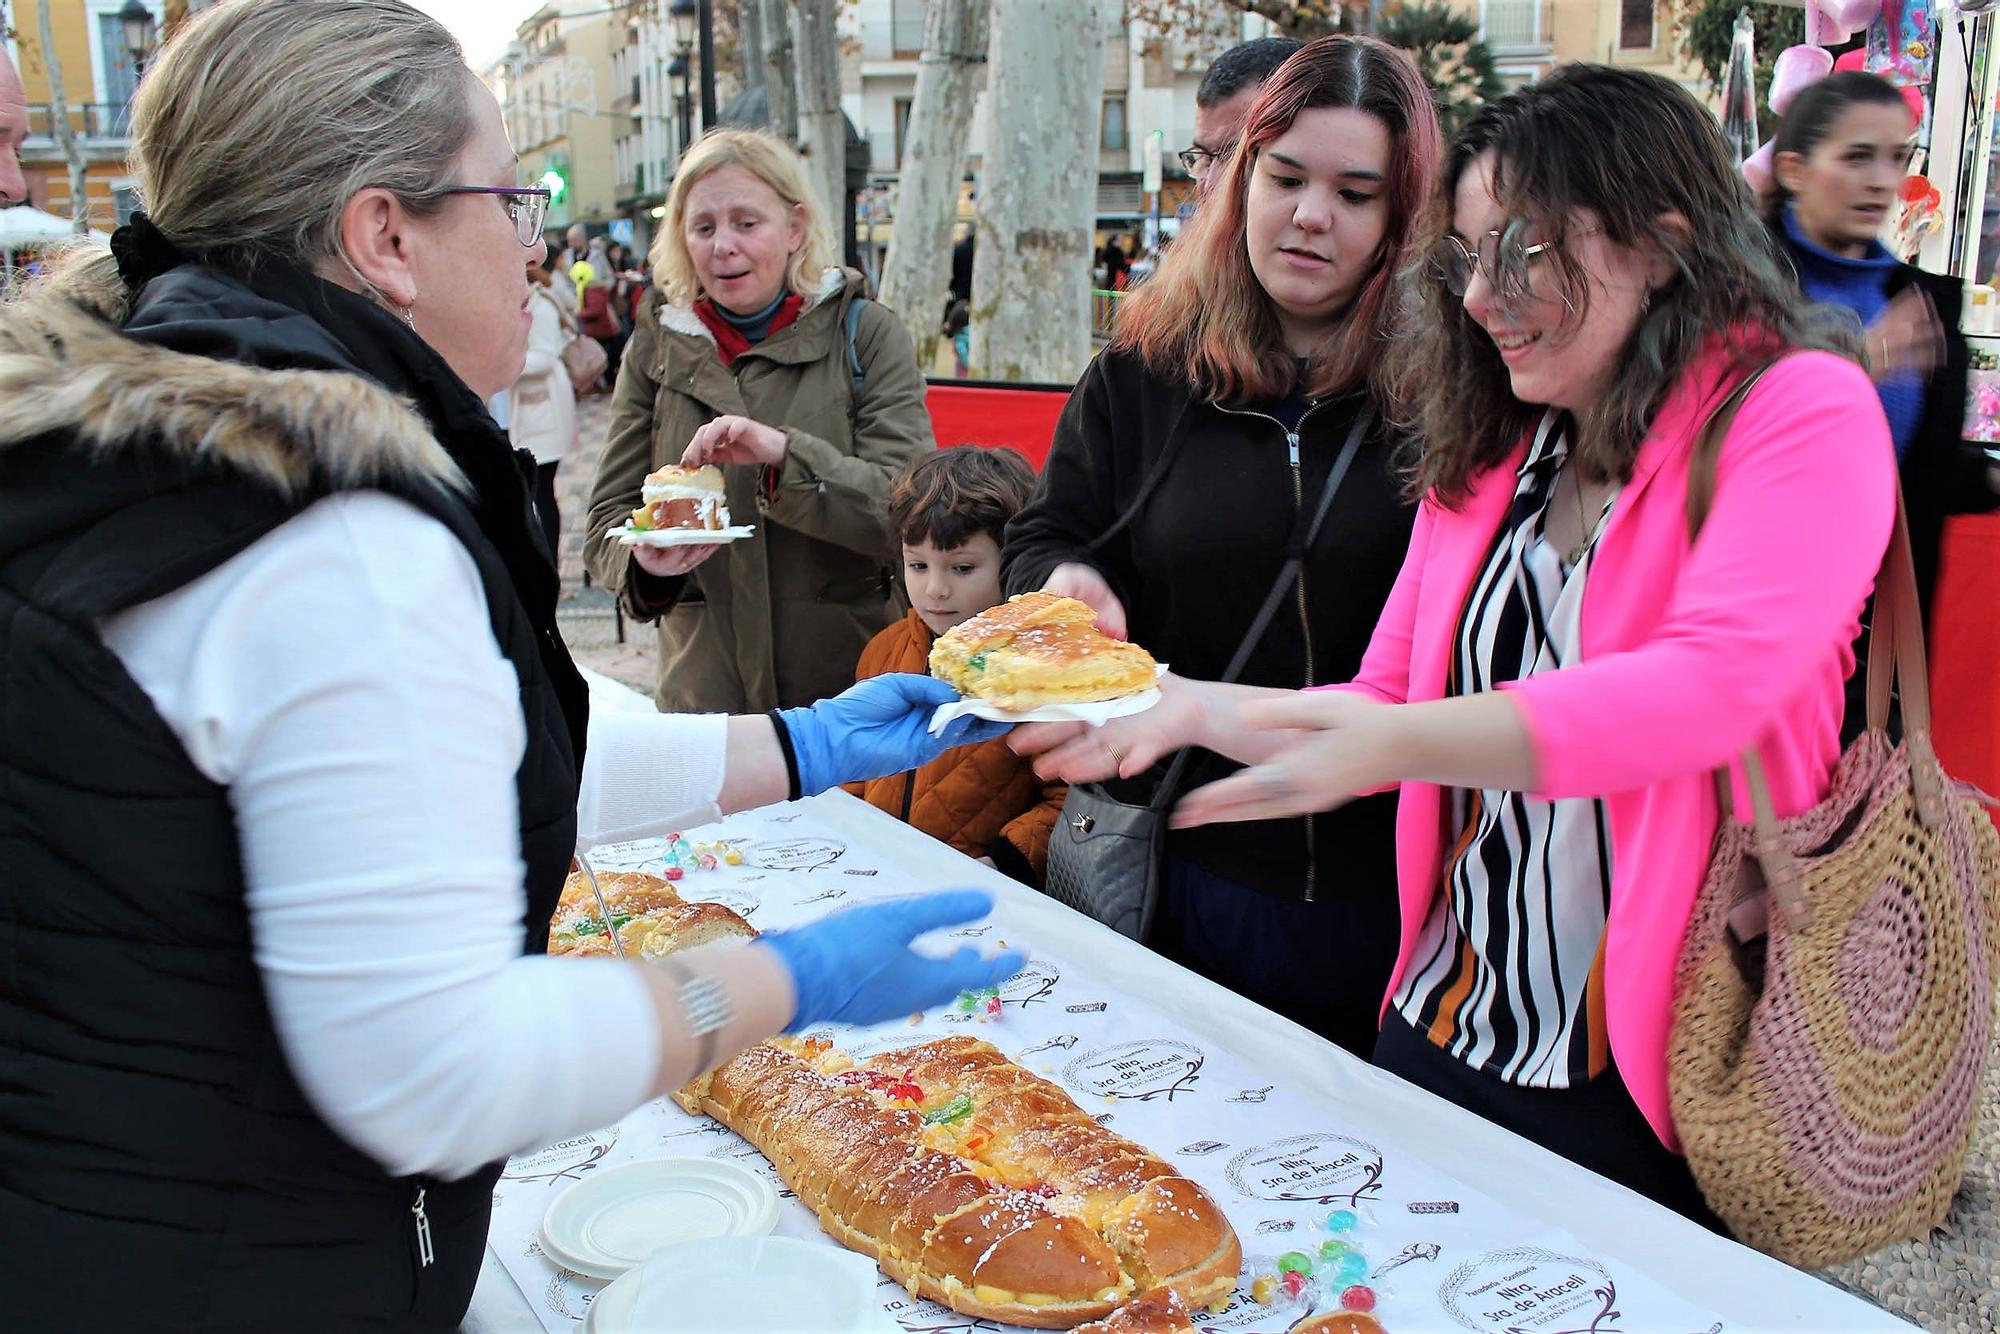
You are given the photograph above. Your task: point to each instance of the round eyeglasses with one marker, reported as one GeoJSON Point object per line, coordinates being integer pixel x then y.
{"type": "Point", "coordinates": [526, 204]}
{"type": "Point", "coordinates": [1507, 258]}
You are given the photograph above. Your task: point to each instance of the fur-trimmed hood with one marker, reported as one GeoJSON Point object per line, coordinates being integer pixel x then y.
{"type": "Point", "coordinates": [78, 360]}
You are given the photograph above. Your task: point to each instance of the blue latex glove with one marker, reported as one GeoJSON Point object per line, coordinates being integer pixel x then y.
{"type": "Point", "coordinates": [878, 727]}
{"type": "Point", "coordinates": [856, 966]}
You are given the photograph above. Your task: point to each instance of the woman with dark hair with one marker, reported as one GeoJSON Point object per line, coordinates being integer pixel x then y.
{"type": "Point", "coordinates": [1561, 667]}
{"type": "Point", "coordinates": [1841, 155]}
{"type": "Point", "coordinates": [1238, 374]}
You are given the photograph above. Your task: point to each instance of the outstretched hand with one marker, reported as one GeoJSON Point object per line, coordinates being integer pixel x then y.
{"type": "Point", "coordinates": [1121, 748]}
{"type": "Point", "coordinates": [1342, 746]}
{"type": "Point", "coordinates": [856, 966]}
{"type": "Point", "coordinates": [877, 727]}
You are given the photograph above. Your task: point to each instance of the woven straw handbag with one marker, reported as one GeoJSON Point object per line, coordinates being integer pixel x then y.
{"type": "Point", "coordinates": [1834, 1007]}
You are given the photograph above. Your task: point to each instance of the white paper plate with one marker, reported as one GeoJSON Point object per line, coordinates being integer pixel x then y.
{"type": "Point", "coordinates": [742, 1285]}
{"type": "Point", "coordinates": [612, 1222]}
{"type": "Point", "coordinates": [1098, 711]}
{"type": "Point", "coordinates": [677, 537]}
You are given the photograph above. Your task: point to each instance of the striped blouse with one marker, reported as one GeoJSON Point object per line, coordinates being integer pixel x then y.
{"type": "Point", "coordinates": [1508, 971]}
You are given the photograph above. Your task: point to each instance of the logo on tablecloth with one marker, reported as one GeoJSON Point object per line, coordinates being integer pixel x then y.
{"type": "Point", "coordinates": [1324, 1168]}
{"type": "Point", "coordinates": [918, 1316]}
{"type": "Point", "coordinates": [1031, 985]}
{"type": "Point", "coordinates": [738, 902]}
{"type": "Point", "coordinates": [1155, 1068]}
{"type": "Point", "coordinates": [1529, 1290]}
{"type": "Point", "coordinates": [794, 854]}
{"type": "Point", "coordinates": [564, 1161]}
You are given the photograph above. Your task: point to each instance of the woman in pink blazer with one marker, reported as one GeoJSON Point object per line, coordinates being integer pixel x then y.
{"type": "Point", "coordinates": [1559, 667]}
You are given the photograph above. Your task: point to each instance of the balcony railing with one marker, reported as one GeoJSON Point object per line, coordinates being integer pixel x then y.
{"type": "Point", "coordinates": [1512, 24]}
{"type": "Point", "coordinates": [87, 120]}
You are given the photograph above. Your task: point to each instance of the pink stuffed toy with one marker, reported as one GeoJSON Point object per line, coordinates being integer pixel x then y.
{"type": "Point", "coordinates": [1796, 68]}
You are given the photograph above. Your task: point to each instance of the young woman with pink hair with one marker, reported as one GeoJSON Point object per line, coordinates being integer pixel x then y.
{"type": "Point", "coordinates": [1189, 461]}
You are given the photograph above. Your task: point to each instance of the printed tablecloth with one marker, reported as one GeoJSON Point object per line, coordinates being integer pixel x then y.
{"type": "Point", "coordinates": [1463, 1226]}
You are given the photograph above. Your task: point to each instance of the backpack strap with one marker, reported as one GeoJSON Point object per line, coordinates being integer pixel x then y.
{"type": "Point", "coordinates": [854, 372]}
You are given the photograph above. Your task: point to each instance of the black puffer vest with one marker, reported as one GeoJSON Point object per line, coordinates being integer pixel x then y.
{"type": "Point", "coordinates": [159, 1166]}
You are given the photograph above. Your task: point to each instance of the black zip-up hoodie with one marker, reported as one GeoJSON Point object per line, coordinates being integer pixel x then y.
{"type": "Point", "coordinates": [1195, 564]}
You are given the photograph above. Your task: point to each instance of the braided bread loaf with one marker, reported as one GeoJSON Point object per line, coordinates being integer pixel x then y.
{"type": "Point", "coordinates": [966, 1178]}
{"type": "Point", "coordinates": [973, 1182]}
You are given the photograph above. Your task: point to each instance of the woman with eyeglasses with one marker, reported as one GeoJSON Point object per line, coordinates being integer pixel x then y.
{"type": "Point", "coordinates": [757, 353]}
{"type": "Point", "coordinates": [292, 755]}
{"type": "Point", "coordinates": [1560, 668]}
{"type": "Point", "coordinates": [1198, 447]}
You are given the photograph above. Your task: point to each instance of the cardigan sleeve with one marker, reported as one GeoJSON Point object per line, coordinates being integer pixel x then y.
{"type": "Point", "coordinates": [1805, 496]}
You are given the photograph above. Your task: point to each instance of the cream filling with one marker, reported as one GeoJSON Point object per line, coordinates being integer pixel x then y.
{"type": "Point", "coordinates": [652, 492]}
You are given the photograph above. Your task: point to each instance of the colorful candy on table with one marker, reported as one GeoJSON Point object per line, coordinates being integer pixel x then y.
{"type": "Point", "coordinates": [682, 856]}
{"type": "Point", "coordinates": [1338, 1268]}
{"type": "Point", "coordinates": [983, 1004]}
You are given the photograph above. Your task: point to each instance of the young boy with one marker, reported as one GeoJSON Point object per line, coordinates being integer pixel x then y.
{"type": "Point", "coordinates": [950, 508]}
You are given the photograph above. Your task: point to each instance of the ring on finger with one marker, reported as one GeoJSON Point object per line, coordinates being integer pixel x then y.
{"type": "Point", "coordinates": [1117, 755]}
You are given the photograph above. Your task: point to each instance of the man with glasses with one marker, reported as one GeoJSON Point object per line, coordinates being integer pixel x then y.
{"type": "Point", "coordinates": [1222, 103]}
{"type": "Point", "coordinates": [13, 129]}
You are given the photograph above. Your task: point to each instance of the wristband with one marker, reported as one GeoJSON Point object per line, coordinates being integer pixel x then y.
{"type": "Point", "coordinates": [792, 789]}
{"type": "Point", "coordinates": [705, 1008]}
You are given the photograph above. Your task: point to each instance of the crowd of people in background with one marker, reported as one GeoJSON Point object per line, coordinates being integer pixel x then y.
{"type": "Point", "coordinates": [1389, 456]}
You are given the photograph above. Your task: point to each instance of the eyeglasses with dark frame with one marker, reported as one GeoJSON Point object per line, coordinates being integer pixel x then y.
{"type": "Point", "coordinates": [1506, 258]}
{"type": "Point", "coordinates": [526, 204]}
{"type": "Point", "coordinates": [1195, 158]}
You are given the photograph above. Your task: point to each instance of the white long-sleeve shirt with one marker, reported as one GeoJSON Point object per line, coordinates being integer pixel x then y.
{"type": "Point", "coordinates": [341, 678]}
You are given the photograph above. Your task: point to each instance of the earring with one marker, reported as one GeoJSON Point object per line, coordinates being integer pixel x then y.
{"type": "Point", "coordinates": [409, 314]}
{"type": "Point", "coordinates": [1645, 301]}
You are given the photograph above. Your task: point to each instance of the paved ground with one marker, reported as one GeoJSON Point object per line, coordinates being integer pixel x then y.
{"type": "Point", "coordinates": [585, 614]}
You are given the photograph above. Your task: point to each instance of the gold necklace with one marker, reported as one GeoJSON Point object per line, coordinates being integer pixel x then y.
{"type": "Point", "coordinates": [1583, 527]}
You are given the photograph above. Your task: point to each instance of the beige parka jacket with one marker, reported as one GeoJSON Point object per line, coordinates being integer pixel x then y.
{"type": "Point", "coordinates": [778, 619]}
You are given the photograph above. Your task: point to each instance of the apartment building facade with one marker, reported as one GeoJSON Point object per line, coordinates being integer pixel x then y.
{"type": "Point", "coordinates": [99, 74]}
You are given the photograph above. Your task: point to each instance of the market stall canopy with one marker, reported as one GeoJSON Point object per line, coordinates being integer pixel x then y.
{"type": "Point", "coordinates": [25, 225]}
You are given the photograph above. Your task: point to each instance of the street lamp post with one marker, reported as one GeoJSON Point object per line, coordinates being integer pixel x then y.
{"type": "Point", "coordinates": [137, 23]}
{"type": "Point", "coordinates": [685, 15]}
{"type": "Point", "coordinates": [677, 68]}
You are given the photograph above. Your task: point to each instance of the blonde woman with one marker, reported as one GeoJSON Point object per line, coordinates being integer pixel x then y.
{"type": "Point", "coordinates": [740, 357]}
{"type": "Point", "coordinates": [292, 758]}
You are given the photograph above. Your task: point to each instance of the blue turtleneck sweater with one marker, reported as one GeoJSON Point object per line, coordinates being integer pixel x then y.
{"type": "Point", "coordinates": [1861, 286]}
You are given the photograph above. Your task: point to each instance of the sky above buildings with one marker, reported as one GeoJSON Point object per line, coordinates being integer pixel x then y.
{"type": "Point", "coordinates": [483, 27]}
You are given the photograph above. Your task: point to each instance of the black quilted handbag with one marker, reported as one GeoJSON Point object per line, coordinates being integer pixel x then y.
{"type": "Point", "coordinates": [1106, 855]}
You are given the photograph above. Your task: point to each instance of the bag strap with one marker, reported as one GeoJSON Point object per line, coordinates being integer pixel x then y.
{"type": "Point", "coordinates": [856, 376]}
{"type": "Point", "coordinates": [1161, 467]}
{"type": "Point", "coordinates": [1305, 531]}
{"type": "Point", "coordinates": [1895, 659]}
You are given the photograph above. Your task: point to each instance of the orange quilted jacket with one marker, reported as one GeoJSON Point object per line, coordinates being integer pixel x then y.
{"type": "Point", "coordinates": [984, 800]}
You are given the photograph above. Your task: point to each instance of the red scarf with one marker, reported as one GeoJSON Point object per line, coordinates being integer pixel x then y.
{"type": "Point", "coordinates": [729, 340]}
